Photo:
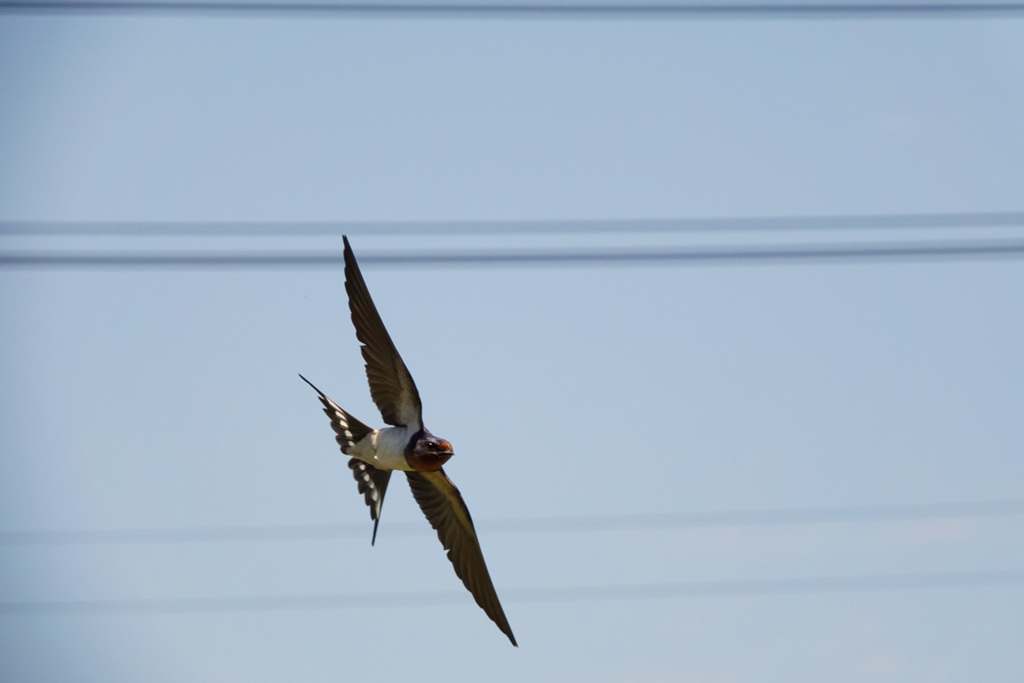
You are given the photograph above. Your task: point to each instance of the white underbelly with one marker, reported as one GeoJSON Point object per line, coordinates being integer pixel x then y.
{"type": "Point", "coordinates": [384, 448]}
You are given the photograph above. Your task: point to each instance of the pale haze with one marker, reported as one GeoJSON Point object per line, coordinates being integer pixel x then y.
{"type": "Point", "coordinates": [168, 398]}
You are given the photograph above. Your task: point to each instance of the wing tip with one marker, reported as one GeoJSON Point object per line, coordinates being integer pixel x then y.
{"type": "Point", "coordinates": [349, 255]}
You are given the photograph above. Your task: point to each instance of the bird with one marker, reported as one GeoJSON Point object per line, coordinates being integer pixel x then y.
{"type": "Point", "coordinates": [406, 445]}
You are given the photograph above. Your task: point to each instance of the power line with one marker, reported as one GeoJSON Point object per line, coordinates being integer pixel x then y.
{"type": "Point", "coordinates": [560, 524]}
{"type": "Point", "coordinates": [509, 227]}
{"type": "Point", "coordinates": [529, 10]}
{"type": "Point", "coordinates": [649, 591]}
{"type": "Point", "coordinates": [851, 252]}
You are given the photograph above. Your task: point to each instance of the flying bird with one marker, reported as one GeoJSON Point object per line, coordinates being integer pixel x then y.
{"type": "Point", "coordinates": [407, 446]}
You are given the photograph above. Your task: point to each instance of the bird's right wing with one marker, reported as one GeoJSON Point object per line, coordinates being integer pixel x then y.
{"type": "Point", "coordinates": [391, 385]}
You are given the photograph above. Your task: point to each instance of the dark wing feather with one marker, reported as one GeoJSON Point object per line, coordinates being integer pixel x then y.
{"type": "Point", "coordinates": [391, 385]}
{"type": "Point", "coordinates": [442, 503]}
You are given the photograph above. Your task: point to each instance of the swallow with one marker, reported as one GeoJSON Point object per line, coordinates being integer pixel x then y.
{"type": "Point", "coordinates": [407, 446]}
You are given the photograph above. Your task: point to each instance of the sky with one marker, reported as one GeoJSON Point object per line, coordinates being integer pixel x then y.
{"type": "Point", "coordinates": [652, 403]}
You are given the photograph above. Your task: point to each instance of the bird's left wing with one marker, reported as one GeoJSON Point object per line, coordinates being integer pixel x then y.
{"type": "Point", "coordinates": [442, 503]}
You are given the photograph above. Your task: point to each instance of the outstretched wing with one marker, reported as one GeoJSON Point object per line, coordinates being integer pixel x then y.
{"type": "Point", "coordinates": [391, 385]}
{"type": "Point", "coordinates": [442, 503]}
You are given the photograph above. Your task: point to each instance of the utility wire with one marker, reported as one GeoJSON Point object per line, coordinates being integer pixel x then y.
{"type": "Point", "coordinates": [511, 227]}
{"type": "Point", "coordinates": [560, 524]}
{"type": "Point", "coordinates": [529, 10]}
{"type": "Point", "coordinates": [649, 591]}
{"type": "Point", "coordinates": [850, 252]}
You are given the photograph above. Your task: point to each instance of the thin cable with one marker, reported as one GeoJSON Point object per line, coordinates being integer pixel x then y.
{"type": "Point", "coordinates": [669, 255]}
{"type": "Point", "coordinates": [560, 524]}
{"type": "Point", "coordinates": [510, 227]}
{"type": "Point", "coordinates": [650, 591]}
{"type": "Point", "coordinates": [530, 10]}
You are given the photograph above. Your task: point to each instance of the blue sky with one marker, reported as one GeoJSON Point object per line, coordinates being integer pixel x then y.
{"type": "Point", "coordinates": [168, 398]}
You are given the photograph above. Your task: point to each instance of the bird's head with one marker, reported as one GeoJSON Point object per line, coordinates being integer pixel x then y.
{"type": "Point", "coordinates": [427, 453]}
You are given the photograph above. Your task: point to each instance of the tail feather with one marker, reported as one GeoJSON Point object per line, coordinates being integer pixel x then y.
{"type": "Point", "coordinates": [349, 431]}
{"type": "Point", "coordinates": [373, 483]}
